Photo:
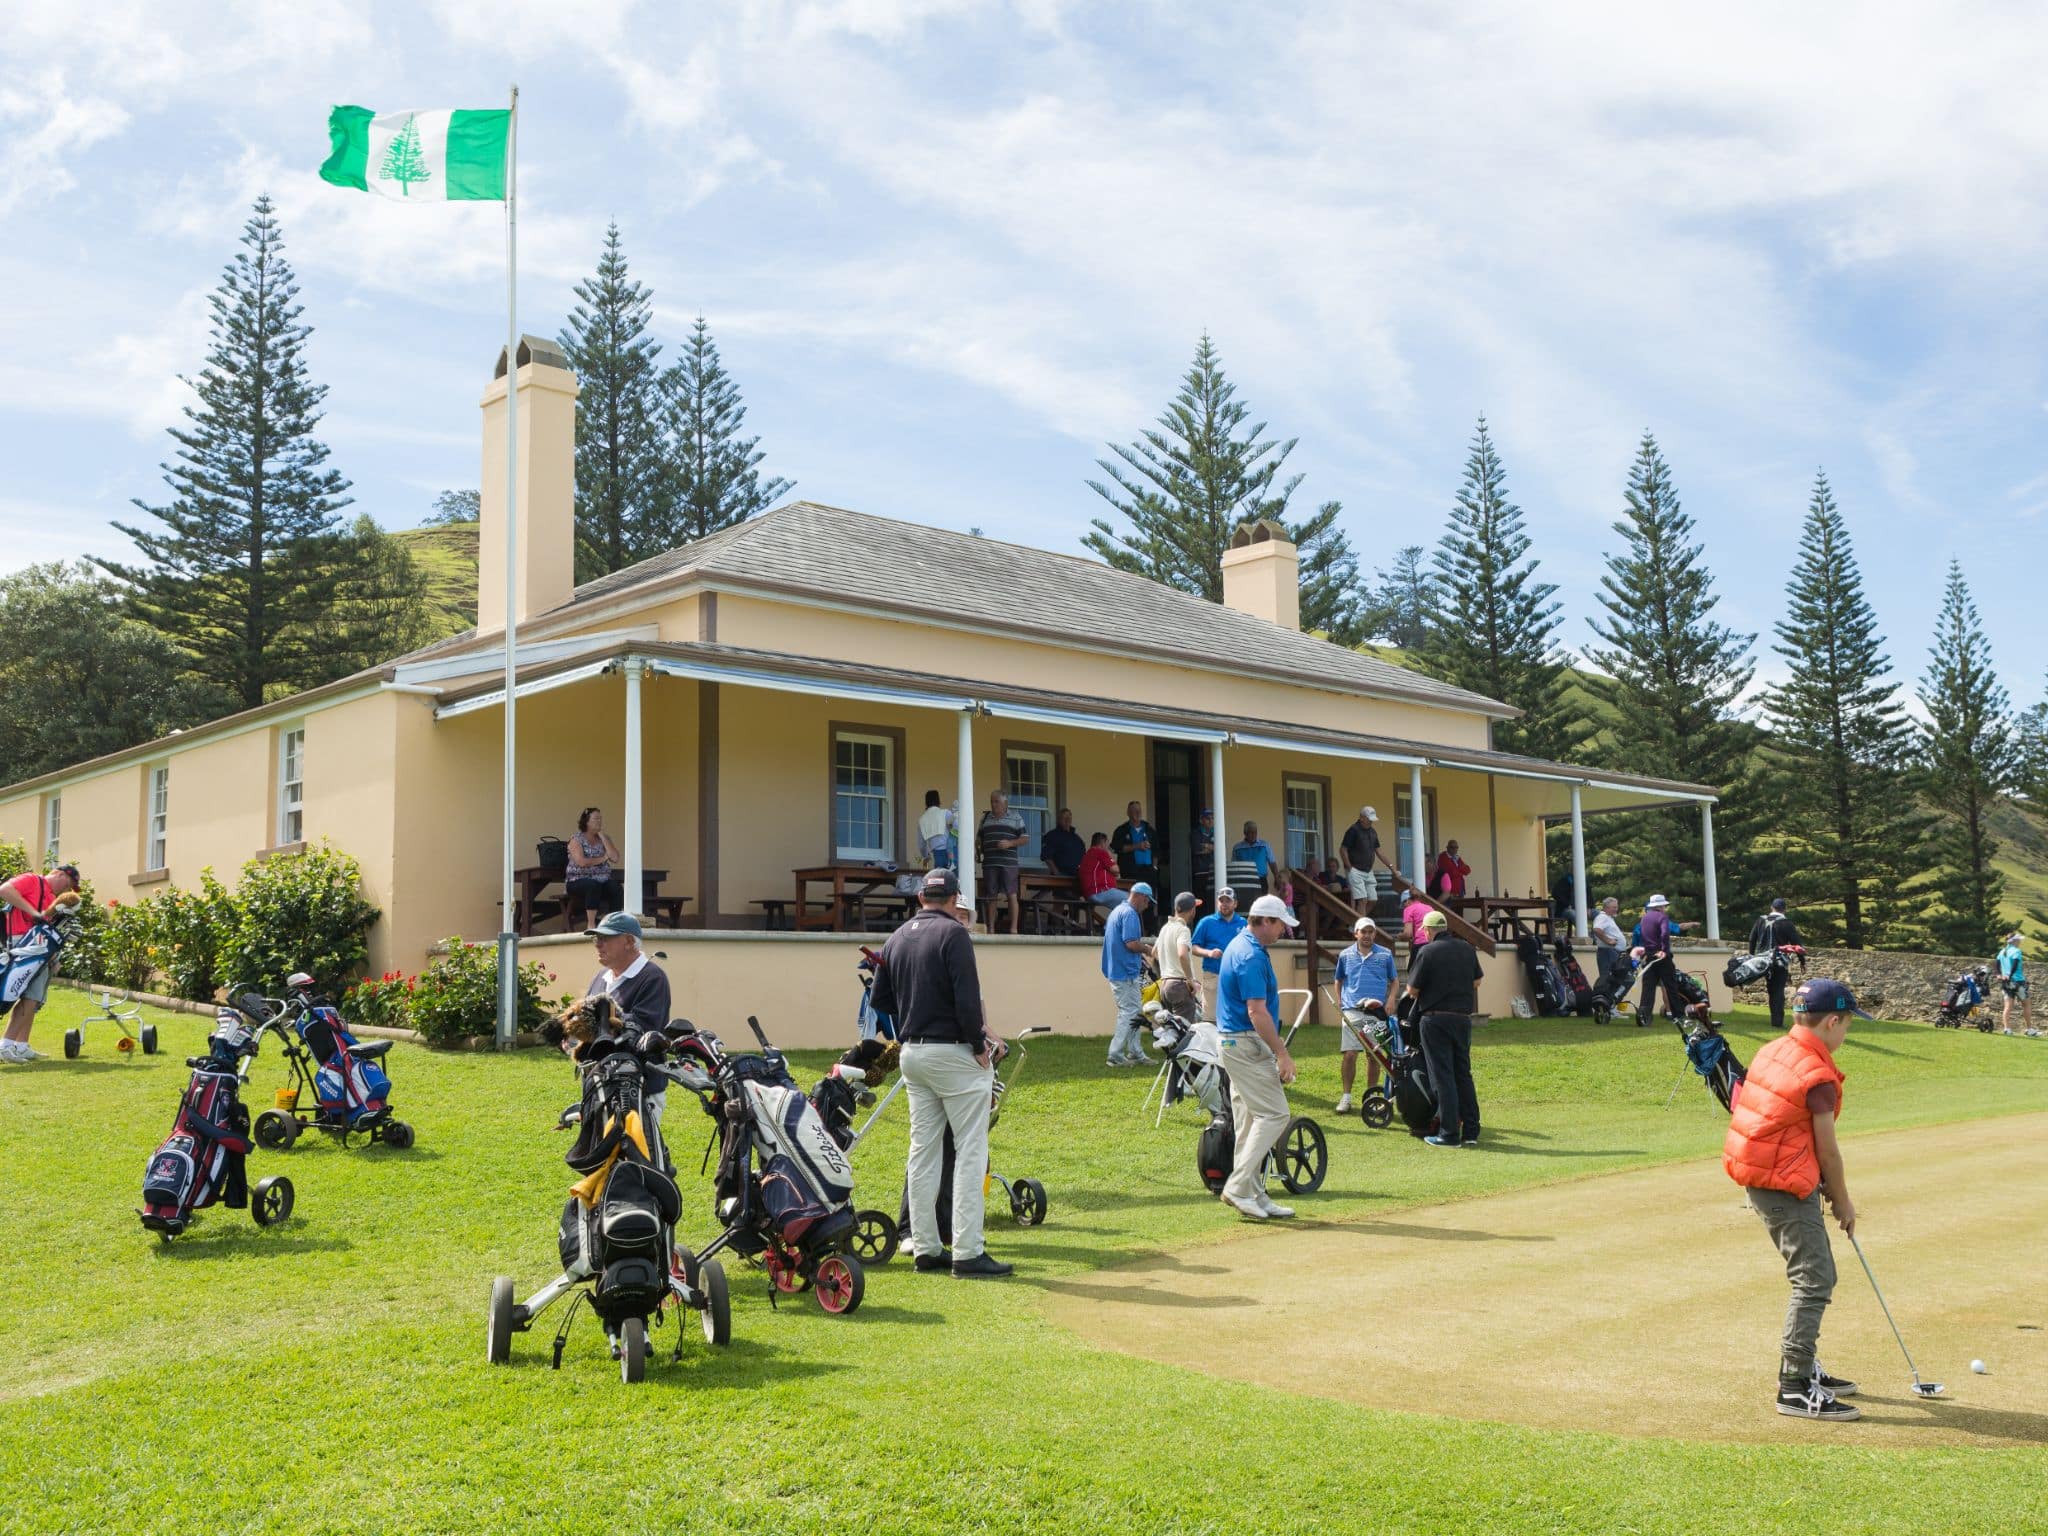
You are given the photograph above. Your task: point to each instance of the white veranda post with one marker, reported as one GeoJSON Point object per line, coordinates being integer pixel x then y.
{"type": "Point", "coordinates": [636, 885]}
{"type": "Point", "coordinates": [508, 941]}
{"type": "Point", "coordinates": [966, 791]}
{"type": "Point", "coordinates": [1581, 919]}
{"type": "Point", "coordinates": [1418, 823]}
{"type": "Point", "coordinates": [1713, 881]}
{"type": "Point", "coordinates": [1221, 852]}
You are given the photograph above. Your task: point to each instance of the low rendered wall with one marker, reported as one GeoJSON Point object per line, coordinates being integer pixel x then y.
{"type": "Point", "coordinates": [803, 986]}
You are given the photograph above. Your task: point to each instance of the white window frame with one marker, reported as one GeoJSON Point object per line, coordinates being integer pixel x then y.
{"type": "Point", "coordinates": [157, 844]}
{"type": "Point", "coordinates": [291, 791]}
{"type": "Point", "coordinates": [1310, 860]}
{"type": "Point", "coordinates": [1038, 820]}
{"type": "Point", "coordinates": [53, 829]}
{"type": "Point", "coordinates": [885, 801]}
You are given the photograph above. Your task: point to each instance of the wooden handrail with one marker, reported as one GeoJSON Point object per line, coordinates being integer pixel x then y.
{"type": "Point", "coordinates": [1470, 932]}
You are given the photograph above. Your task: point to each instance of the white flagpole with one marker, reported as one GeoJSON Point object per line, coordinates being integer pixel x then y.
{"type": "Point", "coordinates": [508, 940]}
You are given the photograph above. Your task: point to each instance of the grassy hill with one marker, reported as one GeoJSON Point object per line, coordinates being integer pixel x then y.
{"type": "Point", "coordinates": [448, 556]}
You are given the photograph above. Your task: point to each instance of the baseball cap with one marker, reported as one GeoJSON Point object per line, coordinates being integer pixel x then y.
{"type": "Point", "coordinates": [613, 924]}
{"type": "Point", "coordinates": [940, 882]}
{"type": "Point", "coordinates": [1658, 901]}
{"type": "Point", "coordinates": [1186, 901]}
{"type": "Point", "coordinates": [1365, 925]}
{"type": "Point", "coordinates": [1368, 813]}
{"type": "Point", "coordinates": [1273, 906]}
{"type": "Point", "coordinates": [1435, 919]}
{"type": "Point", "coordinates": [1817, 994]}
{"type": "Point", "coordinates": [1777, 903]}
{"type": "Point", "coordinates": [1142, 889]}
{"type": "Point", "coordinates": [1225, 893]}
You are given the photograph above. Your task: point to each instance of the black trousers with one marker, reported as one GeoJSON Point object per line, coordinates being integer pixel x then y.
{"type": "Point", "coordinates": [1657, 976]}
{"type": "Point", "coordinates": [1447, 1051]}
{"type": "Point", "coordinates": [1775, 986]}
{"type": "Point", "coordinates": [595, 898]}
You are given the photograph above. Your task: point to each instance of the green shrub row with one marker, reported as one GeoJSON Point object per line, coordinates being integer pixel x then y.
{"type": "Point", "coordinates": [452, 1000]}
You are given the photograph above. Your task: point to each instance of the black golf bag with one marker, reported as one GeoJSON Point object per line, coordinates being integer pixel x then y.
{"type": "Point", "coordinates": [1408, 1081]}
{"type": "Point", "coordinates": [1747, 970]}
{"type": "Point", "coordinates": [617, 1226]}
{"type": "Point", "coordinates": [1577, 992]}
{"type": "Point", "coordinates": [1546, 985]}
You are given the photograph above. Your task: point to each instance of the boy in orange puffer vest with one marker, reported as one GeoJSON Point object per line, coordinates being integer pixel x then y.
{"type": "Point", "coordinates": [1782, 1150]}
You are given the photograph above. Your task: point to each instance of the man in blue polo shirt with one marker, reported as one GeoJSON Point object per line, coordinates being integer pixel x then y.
{"type": "Point", "coordinates": [1123, 962]}
{"type": "Point", "coordinates": [1211, 937]}
{"type": "Point", "coordinates": [1365, 974]}
{"type": "Point", "coordinates": [1247, 1022]}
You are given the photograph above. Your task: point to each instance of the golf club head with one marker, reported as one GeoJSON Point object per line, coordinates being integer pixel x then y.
{"type": "Point", "coordinates": [1927, 1389]}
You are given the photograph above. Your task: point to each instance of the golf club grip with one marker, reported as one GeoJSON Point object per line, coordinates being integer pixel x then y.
{"type": "Point", "coordinates": [755, 1025]}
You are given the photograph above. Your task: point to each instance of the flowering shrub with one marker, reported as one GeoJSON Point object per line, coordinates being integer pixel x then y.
{"type": "Point", "coordinates": [113, 945]}
{"type": "Point", "coordinates": [186, 933]}
{"type": "Point", "coordinates": [456, 997]}
{"type": "Point", "coordinates": [298, 912]}
{"type": "Point", "coordinates": [384, 1001]}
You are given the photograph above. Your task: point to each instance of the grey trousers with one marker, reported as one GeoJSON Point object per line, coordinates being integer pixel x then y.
{"type": "Point", "coordinates": [1800, 1229]}
{"type": "Point", "coordinates": [947, 1087]}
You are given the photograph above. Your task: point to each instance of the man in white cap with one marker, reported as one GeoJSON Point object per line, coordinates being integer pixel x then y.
{"type": "Point", "coordinates": [1361, 850]}
{"type": "Point", "coordinates": [1212, 937]}
{"type": "Point", "coordinates": [1366, 977]}
{"type": "Point", "coordinates": [1123, 966]}
{"type": "Point", "coordinates": [1248, 1023]}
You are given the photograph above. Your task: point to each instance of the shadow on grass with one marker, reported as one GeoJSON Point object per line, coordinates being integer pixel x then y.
{"type": "Point", "coordinates": [1137, 1297]}
{"type": "Point", "coordinates": [743, 1361]}
{"type": "Point", "coordinates": [204, 1243]}
{"type": "Point", "coordinates": [1942, 1418]}
{"type": "Point", "coordinates": [1412, 1229]}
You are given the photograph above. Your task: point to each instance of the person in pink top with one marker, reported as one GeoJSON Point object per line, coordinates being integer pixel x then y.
{"type": "Point", "coordinates": [1413, 911]}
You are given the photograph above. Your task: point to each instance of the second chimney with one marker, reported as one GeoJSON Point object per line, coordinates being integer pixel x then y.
{"type": "Point", "coordinates": [1262, 573]}
{"type": "Point", "coordinates": [545, 397]}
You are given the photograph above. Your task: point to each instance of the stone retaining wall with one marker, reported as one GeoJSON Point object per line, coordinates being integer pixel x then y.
{"type": "Point", "coordinates": [1890, 985]}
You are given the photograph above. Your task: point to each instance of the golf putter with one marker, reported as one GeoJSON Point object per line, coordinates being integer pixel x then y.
{"type": "Point", "coordinates": [1920, 1388]}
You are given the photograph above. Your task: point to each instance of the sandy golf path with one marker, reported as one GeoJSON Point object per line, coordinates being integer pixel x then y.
{"type": "Point", "coordinates": [1638, 1303]}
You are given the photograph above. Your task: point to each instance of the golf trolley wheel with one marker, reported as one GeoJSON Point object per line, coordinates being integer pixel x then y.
{"type": "Point", "coordinates": [633, 1350]}
{"type": "Point", "coordinates": [1376, 1110]}
{"type": "Point", "coordinates": [840, 1283]}
{"type": "Point", "coordinates": [397, 1135]}
{"type": "Point", "coordinates": [1027, 1202]}
{"type": "Point", "coordinates": [717, 1314]}
{"type": "Point", "coordinates": [149, 1039]}
{"type": "Point", "coordinates": [1603, 1011]}
{"type": "Point", "coordinates": [1303, 1156]}
{"type": "Point", "coordinates": [498, 1340]}
{"type": "Point", "coordinates": [874, 1237]}
{"type": "Point", "coordinates": [782, 1274]}
{"type": "Point", "coordinates": [271, 1200]}
{"type": "Point", "coordinates": [74, 1040]}
{"type": "Point", "coordinates": [274, 1129]}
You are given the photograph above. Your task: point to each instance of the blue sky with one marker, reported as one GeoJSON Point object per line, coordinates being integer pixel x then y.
{"type": "Point", "coordinates": [951, 249]}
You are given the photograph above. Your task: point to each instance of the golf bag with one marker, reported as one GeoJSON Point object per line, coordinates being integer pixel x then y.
{"type": "Point", "coordinates": [1194, 1069]}
{"type": "Point", "coordinates": [617, 1224]}
{"type": "Point", "coordinates": [1546, 984]}
{"type": "Point", "coordinates": [781, 1172]}
{"type": "Point", "coordinates": [29, 954]}
{"type": "Point", "coordinates": [350, 1088]}
{"type": "Point", "coordinates": [1577, 992]}
{"type": "Point", "coordinates": [1713, 1060]}
{"type": "Point", "coordinates": [1965, 994]}
{"type": "Point", "coordinates": [1408, 1082]}
{"type": "Point", "coordinates": [1747, 970]}
{"type": "Point", "coordinates": [203, 1158]}
{"type": "Point", "coordinates": [873, 1023]}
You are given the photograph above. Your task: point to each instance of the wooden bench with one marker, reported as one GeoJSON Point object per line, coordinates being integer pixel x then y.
{"type": "Point", "coordinates": [774, 911]}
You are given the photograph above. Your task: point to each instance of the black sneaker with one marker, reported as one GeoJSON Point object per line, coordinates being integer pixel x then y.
{"type": "Point", "coordinates": [1440, 1141]}
{"type": "Point", "coordinates": [1834, 1384]}
{"type": "Point", "coordinates": [1470, 1141]}
{"type": "Point", "coordinates": [1803, 1397]}
{"type": "Point", "coordinates": [980, 1267]}
{"type": "Point", "coordinates": [932, 1263]}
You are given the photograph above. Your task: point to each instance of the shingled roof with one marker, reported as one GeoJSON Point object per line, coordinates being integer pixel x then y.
{"type": "Point", "coordinates": [803, 548]}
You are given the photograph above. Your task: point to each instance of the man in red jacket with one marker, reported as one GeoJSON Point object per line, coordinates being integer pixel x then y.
{"type": "Point", "coordinates": [1782, 1149]}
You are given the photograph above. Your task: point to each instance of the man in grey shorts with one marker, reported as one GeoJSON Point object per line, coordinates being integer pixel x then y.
{"type": "Point", "coordinates": [1366, 974]}
{"type": "Point", "coordinates": [999, 836]}
{"type": "Point", "coordinates": [28, 900]}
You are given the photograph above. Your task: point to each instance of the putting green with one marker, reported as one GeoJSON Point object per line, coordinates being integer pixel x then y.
{"type": "Point", "coordinates": [1644, 1303]}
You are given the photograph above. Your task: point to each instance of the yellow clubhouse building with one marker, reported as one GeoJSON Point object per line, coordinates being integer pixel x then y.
{"type": "Point", "coordinates": [778, 697]}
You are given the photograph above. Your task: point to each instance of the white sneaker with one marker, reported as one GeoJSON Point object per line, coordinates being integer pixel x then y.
{"type": "Point", "coordinates": [1276, 1211]}
{"type": "Point", "coordinates": [1344, 1104]}
{"type": "Point", "coordinates": [28, 1053]}
{"type": "Point", "coordinates": [12, 1050]}
{"type": "Point", "coordinates": [1245, 1208]}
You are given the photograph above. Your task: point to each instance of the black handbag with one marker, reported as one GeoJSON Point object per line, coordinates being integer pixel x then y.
{"type": "Point", "coordinates": [554, 855]}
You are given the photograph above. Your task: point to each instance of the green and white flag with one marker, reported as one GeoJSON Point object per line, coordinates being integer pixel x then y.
{"type": "Point", "coordinates": [418, 157]}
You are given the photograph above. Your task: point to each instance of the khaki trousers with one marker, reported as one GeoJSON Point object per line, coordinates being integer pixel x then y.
{"type": "Point", "coordinates": [1258, 1108]}
{"type": "Point", "coordinates": [1800, 1231]}
{"type": "Point", "coordinates": [947, 1087]}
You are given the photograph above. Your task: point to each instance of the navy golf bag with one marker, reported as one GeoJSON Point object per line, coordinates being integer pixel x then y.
{"type": "Point", "coordinates": [1546, 985]}
{"type": "Point", "coordinates": [349, 1084]}
{"type": "Point", "coordinates": [203, 1160]}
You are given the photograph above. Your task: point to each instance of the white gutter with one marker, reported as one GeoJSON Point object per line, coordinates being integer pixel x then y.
{"type": "Point", "coordinates": [496, 696]}
{"type": "Point", "coordinates": [1324, 749]}
{"type": "Point", "coordinates": [714, 672]}
{"type": "Point", "coordinates": [535, 654]}
{"type": "Point", "coordinates": [1123, 723]}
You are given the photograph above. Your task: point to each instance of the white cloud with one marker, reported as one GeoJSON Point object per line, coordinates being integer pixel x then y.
{"type": "Point", "coordinates": [41, 125]}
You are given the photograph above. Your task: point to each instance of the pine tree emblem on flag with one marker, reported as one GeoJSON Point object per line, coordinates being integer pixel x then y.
{"type": "Point", "coordinates": [419, 157]}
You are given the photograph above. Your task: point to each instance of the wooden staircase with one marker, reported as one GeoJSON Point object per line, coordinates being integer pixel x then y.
{"type": "Point", "coordinates": [1326, 920]}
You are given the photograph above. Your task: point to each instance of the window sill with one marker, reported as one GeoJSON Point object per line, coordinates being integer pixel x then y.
{"type": "Point", "coordinates": [150, 877]}
{"type": "Point", "coordinates": [281, 851]}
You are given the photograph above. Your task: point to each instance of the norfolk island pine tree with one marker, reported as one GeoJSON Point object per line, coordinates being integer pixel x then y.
{"type": "Point", "coordinates": [714, 477]}
{"type": "Point", "coordinates": [250, 542]}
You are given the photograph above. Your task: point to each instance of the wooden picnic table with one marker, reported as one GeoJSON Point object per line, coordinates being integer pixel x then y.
{"type": "Point", "coordinates": [1505, 916]}
{"type": "Point", "coordinates": [851, 885]}
{"type": "Point", "coordinates": [1042, 894]}
{"type": "Point", "coordinates": [532, 883]}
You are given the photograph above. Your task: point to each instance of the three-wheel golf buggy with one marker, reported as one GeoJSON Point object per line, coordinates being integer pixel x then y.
{"type": "Point", "coordinates": [203, 1159]}
{"type": "Point", "coordinates": [338, 1083]}
{"type": "Point", "coordinates": [134, 1034]}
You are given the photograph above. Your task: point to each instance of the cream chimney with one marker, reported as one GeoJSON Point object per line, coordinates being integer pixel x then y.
{"type": "Point", "coordinates": [546, 402]}
{"type": "Point", "coordinates": [1262, 574]}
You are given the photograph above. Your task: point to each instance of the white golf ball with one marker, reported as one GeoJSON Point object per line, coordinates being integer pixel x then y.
{"type": "Point", "coordinates": [1980, 1367]}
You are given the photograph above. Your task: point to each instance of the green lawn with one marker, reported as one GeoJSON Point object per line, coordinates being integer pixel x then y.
{"type": "Point", "coordinates": [329, 1374]}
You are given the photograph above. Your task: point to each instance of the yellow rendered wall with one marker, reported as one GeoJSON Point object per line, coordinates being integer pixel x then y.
{"type": "Point", "coordinates": [764, 624]}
